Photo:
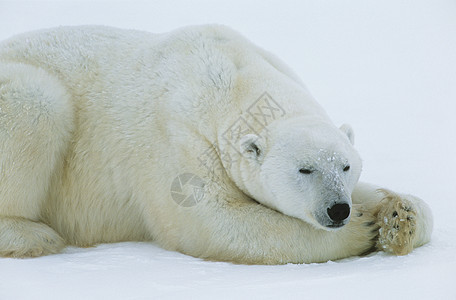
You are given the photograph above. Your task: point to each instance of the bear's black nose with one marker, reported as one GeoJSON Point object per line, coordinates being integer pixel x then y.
{"type": "Point", "coordinates": [339, 212]}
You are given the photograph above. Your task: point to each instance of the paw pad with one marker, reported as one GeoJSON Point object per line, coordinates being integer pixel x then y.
{"type": "Point", "coordinates": [397, 227]}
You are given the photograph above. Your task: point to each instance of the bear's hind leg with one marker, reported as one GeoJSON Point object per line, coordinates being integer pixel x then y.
{"type": "Point", "coordinates": [20, 237]}
{"type": "Point", "coordinates": [36, 120]}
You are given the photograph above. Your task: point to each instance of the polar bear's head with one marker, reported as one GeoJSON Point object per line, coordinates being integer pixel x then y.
{"type": "Point", "coordinates": [303, 168]}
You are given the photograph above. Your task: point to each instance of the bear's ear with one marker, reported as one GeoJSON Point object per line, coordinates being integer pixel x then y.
{"type": "Point", "coordinates": [348, 130]}
{"type": "Point", "coordinates": [250, 146]}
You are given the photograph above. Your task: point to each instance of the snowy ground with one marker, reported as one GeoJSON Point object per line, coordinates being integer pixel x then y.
{"type": "Point", "coordinates": [387, 67]}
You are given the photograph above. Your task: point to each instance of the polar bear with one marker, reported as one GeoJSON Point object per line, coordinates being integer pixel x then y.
{"type": "Point", "coordinates": [196, 139]}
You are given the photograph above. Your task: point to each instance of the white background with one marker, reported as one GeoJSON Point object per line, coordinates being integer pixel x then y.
{"type": "Point", "coordinates": [386, 67]}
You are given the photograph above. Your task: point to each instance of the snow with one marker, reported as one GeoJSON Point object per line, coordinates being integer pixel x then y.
{"type": "Point", "coordinates": [387, 67]}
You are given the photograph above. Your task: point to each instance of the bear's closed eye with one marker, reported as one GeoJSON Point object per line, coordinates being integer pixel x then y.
{"type": "Point", "coordinates": [305, 171]}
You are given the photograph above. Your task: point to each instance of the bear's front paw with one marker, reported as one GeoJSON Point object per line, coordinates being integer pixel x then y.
{"type": "Point", "coordinates": [397, 221]}
{"type": "Point", "coordinates": [363, 229]}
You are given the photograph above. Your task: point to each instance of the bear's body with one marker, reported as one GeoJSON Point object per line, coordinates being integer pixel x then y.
{"type": "Point", "coordinates": [101, 127]}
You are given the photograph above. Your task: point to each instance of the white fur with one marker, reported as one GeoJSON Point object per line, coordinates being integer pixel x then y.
{"type": "Point", "coordinates": [96, 123]}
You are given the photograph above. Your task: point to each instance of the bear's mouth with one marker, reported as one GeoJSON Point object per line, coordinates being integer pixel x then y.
{"type": "Point", "coordinates": [336, 225]}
